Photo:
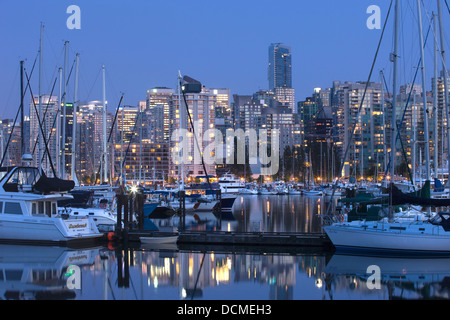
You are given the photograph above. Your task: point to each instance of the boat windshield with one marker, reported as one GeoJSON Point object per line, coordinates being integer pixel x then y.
{"type": "Point", "coordinates": [22, 179]}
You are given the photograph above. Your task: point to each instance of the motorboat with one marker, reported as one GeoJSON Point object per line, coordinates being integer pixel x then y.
{"type": "Point", "coordinates": [28, 210]}
{"type": "Point", "coordinates": [229, 183]}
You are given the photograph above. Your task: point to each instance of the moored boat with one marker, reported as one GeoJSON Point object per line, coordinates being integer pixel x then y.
{"type": "Point", "coordinates": [29, 214]}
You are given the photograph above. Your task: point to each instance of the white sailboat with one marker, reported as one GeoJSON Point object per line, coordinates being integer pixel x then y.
{"type": "Point", "coordinates": [432, 235]}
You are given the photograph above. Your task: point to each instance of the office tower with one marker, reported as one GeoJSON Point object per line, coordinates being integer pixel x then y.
{"type": "Point", "coordinates": [280, 75]}
{"type": "Point", "coordinates": [280, 66]}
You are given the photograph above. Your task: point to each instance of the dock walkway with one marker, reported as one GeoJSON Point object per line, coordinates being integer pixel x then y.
{"type": "Point", "coordinates": [240, 238]}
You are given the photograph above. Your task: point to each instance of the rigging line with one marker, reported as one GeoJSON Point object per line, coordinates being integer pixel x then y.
{"type": "Point", "coordinates": [195, 138]}
{"type": "Point", "coordinates": [93, 85]}
{"type": "Point", "coordinates": [447, 6]}
{"type": "Point", "coordinates": [14, 124]}
{"type": "Point", "coordinates": [362, 102]}
{"type": "Point", "coordinates": [40, 127]}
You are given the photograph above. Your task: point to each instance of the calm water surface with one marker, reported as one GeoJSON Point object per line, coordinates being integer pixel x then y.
{"type": "Point", "coordinates": [177, 273]}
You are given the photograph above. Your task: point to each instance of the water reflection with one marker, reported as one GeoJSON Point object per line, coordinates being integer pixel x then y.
{"type": "Point", "coordinates": [30, 272]}
{"type": "Point", "coordinates": [267, 213]}
{"type": "Point", "coordinates": [274, 213]}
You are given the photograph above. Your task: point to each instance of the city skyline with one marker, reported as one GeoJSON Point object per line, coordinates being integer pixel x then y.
{"type": "Point", "coordinates": [222, 45]}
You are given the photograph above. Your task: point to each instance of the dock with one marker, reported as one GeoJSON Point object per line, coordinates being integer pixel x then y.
{"type": "Point", "coordinates": [186, 238]}
{"type": "Point", "coordinates": [223, 238]}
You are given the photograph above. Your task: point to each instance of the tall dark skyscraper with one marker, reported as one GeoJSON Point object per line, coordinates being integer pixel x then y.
{"type": "Point", "coordinates": [280, 66]}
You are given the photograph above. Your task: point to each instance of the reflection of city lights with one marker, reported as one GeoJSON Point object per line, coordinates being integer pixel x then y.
{"type": "Point", "coordinates": [318, 283]}
{"type": "Point", "coordinates": [155, 282]}
{"type": "Point", "coordinates": [183, 293]}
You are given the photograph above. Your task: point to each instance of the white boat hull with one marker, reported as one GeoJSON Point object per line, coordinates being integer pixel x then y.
{"type": "Point", "coordinates": [46, 230]}
{"type": "Point", "coordinates": [416, 237]}
{"type": "Point", "coordinates": [159, 239]}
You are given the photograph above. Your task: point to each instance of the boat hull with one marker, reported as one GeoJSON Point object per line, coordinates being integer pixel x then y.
{"type": "Point", "coordinates": [45, 230]}
{"type": "Point", "coordinates": [159, 239]}
{"type": "Point", "coordinates": [346, 237]}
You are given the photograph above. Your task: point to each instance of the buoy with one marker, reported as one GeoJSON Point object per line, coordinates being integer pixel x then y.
{"type": "Point", "coordinates": [111, 236]}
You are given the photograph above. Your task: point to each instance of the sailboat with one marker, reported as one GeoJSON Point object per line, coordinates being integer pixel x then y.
{"type": "Point", "coordinates": [431, 235]}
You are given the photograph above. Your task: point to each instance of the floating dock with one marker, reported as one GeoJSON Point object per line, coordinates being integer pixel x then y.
{"type": "Point", "coordinates": [223, 238]}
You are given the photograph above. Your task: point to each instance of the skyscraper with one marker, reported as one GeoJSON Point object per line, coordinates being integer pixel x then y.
{"type": "Point", "coordinates": [280, 66]}
{"type": "Point", "coordinates": [280, 75]}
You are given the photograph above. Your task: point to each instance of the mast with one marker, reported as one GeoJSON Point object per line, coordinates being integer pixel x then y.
{"type": "Point", "coordinates": [22, 135]}
{"type": "Point", "coordinates": [435, 101]}
{"type": "Point", "coordinates": [394, 57]}
{"type": "Point", "coordinates": [182, 126]}
{"type": "Point", "coordinates": [140, 145]}
{"type": "Point", "coordinates": [74, 121]}
{"type": "Point", "coordinates": [58, 127]}
{"type": "Point", "coordinates": [445, 79]}
{"type": "Point", "coordinates": [383, 109]}
{"type": "Point", "coordinates": [105, 151]}
{"type": "Point", "coordinates": [424, 95]}
{"type": "Point", "coordinates": [41, 141]}
{"type": "Point", "coordinates": [63, 129]}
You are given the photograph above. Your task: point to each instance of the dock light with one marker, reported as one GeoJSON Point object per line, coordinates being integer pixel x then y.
{"type": "Point", "coordinates": [134, 189]}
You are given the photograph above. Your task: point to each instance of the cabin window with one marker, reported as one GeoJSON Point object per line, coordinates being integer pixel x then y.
{"type": "Point", "coordinates": [13, 208]}
{"type": "Point", "coordinates": [33, 208]}
{"type": "Point", "coordinates": [48, 208]}
{"type": "Point", "coordinates": [54, 209]}
{"type": "Point", "coordinates": [41, 207]}
{"type": "Point", "coordinates": [1, 207]}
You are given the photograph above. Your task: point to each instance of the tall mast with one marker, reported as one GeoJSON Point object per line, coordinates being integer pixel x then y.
{"type": "Point", "coordinates": [182, 126]}
{"type": "Point", "coordinates": [22, 118]}
{"type": "Point", "coordinates": [445, 79]}
{"type": "Point", "coordinates": [74, 121]}
{"type": "Point", "coordinates": [41, 140]}
{"type": "Point", "coordinates": [394, 58]}
{"type": "Point", "coordinates": [105, 151]}
{"type": "Point", "coordinates": [58, 126]}
{"type": "Point", "coordinates": [63, 139]}
{"type": "Point", "coordinates": [435, 101]}
{"type": "Point", "coordinates": [424, 95]}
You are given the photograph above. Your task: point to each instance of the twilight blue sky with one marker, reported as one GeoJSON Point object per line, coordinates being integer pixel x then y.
{"type": "Point", "coordinates": [223, 44]}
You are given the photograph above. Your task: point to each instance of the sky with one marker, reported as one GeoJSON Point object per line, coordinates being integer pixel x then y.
{"type": "Point", "coordinates": [224, 44]}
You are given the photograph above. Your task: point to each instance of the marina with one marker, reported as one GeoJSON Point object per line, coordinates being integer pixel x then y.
{"type": "Point", "coordinates": [189, 191]}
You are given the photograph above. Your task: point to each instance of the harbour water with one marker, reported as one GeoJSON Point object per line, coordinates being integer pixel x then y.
{"type": "Point", "coordinates": [183, 273]}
